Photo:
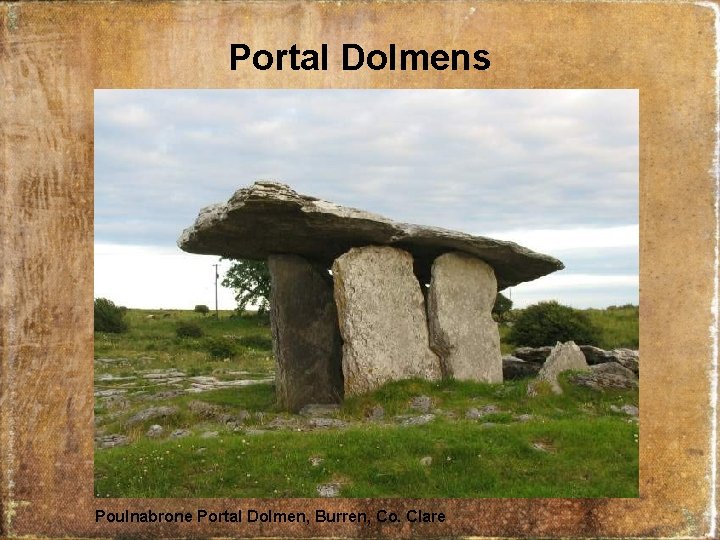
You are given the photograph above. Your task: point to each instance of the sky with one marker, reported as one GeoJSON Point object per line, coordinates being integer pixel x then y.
{"type": "Point", "coordinates": [553, 170]}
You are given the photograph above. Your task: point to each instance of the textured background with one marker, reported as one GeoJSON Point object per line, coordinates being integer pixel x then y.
{"type": "Point", "coordinates": [52, 56]}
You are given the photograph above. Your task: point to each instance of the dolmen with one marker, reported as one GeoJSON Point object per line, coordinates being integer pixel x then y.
{"type": "Point", "coordinates": [358, 299]}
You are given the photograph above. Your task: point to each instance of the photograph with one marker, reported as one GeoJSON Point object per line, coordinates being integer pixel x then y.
{"type": "Point", "coordinates": [322, 293]}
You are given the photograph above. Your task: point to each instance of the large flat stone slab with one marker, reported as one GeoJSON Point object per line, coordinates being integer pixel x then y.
{"type": "Point", "coordinates": [269, 217]}
{"type": "Point", "coordinates": [462, 331]}
{"type": "Point", "coordinates": [382, 319]}
{"type": "Point", "coordinates": [306, 336]}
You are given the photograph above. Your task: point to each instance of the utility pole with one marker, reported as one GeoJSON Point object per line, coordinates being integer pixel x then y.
{"type": "Point", "coordinates": [216, 302]}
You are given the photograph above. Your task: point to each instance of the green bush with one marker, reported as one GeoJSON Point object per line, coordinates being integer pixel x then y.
{"type": "Point", "coordinates": [188, 330]}
{"type": "Point", "coordinates": [546, 323]}
{"type": "Point", "coordinates": [220, 347]}
{"type": "Point", "coordinates": [109, 317]}
{"type": "Point", "coordinates": [202, 308]}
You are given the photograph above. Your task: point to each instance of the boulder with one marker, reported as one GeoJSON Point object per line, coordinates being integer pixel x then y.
{"type": "Point", "coordinates": [382, 319]}
{"type": "Point", "coordinates": [596, 355]}
{"type": "Point", "coordinates": [535, 355]}
{"type": "Point", "coordinates": [628, 358]}
{"type": "Point", "coordinates": [306, 337]}
{"type": "Point", "coordinates": [593, 355]}
{"type": "Point", "coordinates": [151, 413]}
{"type": "Point", "coordinates": [605, 376]}
{"type": "Point", "coordinates": [462, 331]}
{"type": "Point", "coordinates": [269, 217]}
{"type": "Point", "coordinates": [563, 357]}
{"type": "Point", "coordinates": [514, 368]}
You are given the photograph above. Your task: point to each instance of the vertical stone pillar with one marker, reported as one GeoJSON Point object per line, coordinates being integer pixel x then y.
{"type": "Point", "coordinates": [306, 337]}
{"type": "Point", "coordinates": [462, 331]}
{"type": "Point", "coordinates": [382, 319]}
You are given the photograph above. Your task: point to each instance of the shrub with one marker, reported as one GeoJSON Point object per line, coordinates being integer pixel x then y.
{"type": "Point", "coordinates": [109, 317]}
{"type": "Point", "coordinates": [220, 347]}
{"type": "Point", "coordinates": [202, 308]}
{"type": "Point", "coordinates": [548, 322]}
{"type": "Point", "coordinates": [188, 329]}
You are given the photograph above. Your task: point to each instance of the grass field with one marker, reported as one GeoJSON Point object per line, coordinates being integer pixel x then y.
{"type": "Point", "coordinates": [236, 443]}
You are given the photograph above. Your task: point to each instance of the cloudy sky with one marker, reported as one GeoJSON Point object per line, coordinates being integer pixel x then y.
{"type": "Point", "coordinates": [553, 170]}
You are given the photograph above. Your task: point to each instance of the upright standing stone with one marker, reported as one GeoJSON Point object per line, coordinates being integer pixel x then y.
{"type": "Point", "coordinates": [462, 331]}
{"type": "Point", "coordinates": [563, 357]}
{"type": "Point", "coordinates": [306, 337]}
{"type": "Point", "coordinates": [382, 319]}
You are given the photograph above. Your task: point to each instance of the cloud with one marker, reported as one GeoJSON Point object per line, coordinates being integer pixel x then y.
{"type": "Point", "coordinates": [551, 169]}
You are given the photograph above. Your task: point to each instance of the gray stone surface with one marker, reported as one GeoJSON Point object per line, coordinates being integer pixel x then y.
{"type": "Point", "coordinates": [462, 331]}
{"type": "Point", "coordinates": [593, 355]}
{"type": "Point", "coordinates": [306, 337]}
{"type": "Point", "coordinates": [514, 368]}
{"type": "Point", "coordinates": [329, 490]}
{"type": "Point", "coordinates": [382, 319]}
{"type": "Point", "coordinates": [535, 355]}
{"type": "Point", "coordinates": [417, 420]}
{"type": "Point", "coordinates": [627, 358]}
{"type": "Point", "coordinates": [152, 412]}
{"type": "Point", "coordinates": [111, 441]}
{"type": "Point", "coordinates": [563, 357]}
{"type": "Point", "coordinates": [421, 403]}
{"type": "Point", "coordinates": [601, 379]}
{"type": "Point", "coordinates": [614, 368]}
{"type": "Point", "coordinates": [269, 217]}
{"type": "Point", "coordinates": [155, 430]}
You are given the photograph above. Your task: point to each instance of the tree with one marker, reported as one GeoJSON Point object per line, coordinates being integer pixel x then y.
{"type": "Point", "coordinates": [502, 305]}
{"type": "Point", "coordinates": [202, 308]}
{"type": "Point", "coordinates": [109, 317]}
{"type": "Point", "coordinates": [545, 323]}
{"type": "Point", "coordinates": [251, 282]}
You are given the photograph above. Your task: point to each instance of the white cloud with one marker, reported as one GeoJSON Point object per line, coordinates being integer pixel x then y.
{"type": "Point", "coordinates": [557, 240]}
{"type": "Point", "coordinates": [553, 170]}
{"type": "Point", "coordinates": [152, 278]}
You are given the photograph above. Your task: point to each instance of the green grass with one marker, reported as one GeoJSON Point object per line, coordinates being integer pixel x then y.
{"type": "Point", "coordinates": [619, 326]}
{"type": "Point", "coordinates": [590, 451]}
{"type": "Point", "coordinates": [151, 343]}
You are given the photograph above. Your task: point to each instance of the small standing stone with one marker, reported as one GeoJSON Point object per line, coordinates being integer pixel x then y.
{"type": "Point", "coordinates": [155, 430]}
{"type": "Point", "coordinates": [421, 403]}
{"type": "Point", "coordinates": [563, 357]}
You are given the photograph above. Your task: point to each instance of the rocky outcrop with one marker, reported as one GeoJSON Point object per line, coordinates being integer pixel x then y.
{"type": "Point", "coordinates": [269, 217]}
{"type": "Point", "coordinates": [593, 355]}
{"type": "Point", "coordinates": [535, 355]}
{"type": "Point", "coordinates": [382, 319]}
{"type": "Point", "coordinates": [609, 375]}
{"type": "Point", "coordinates": [306, 336]}
{"type": "Point", "coordinates": [563, 357]}
{"type": "Point", "coordinates": [462, 331]}
{"type": "Point", "coordinates": [514, 368]}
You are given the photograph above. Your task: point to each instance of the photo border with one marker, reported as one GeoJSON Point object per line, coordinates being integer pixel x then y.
{"type": "Point", "coordinates": [53, 56]}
